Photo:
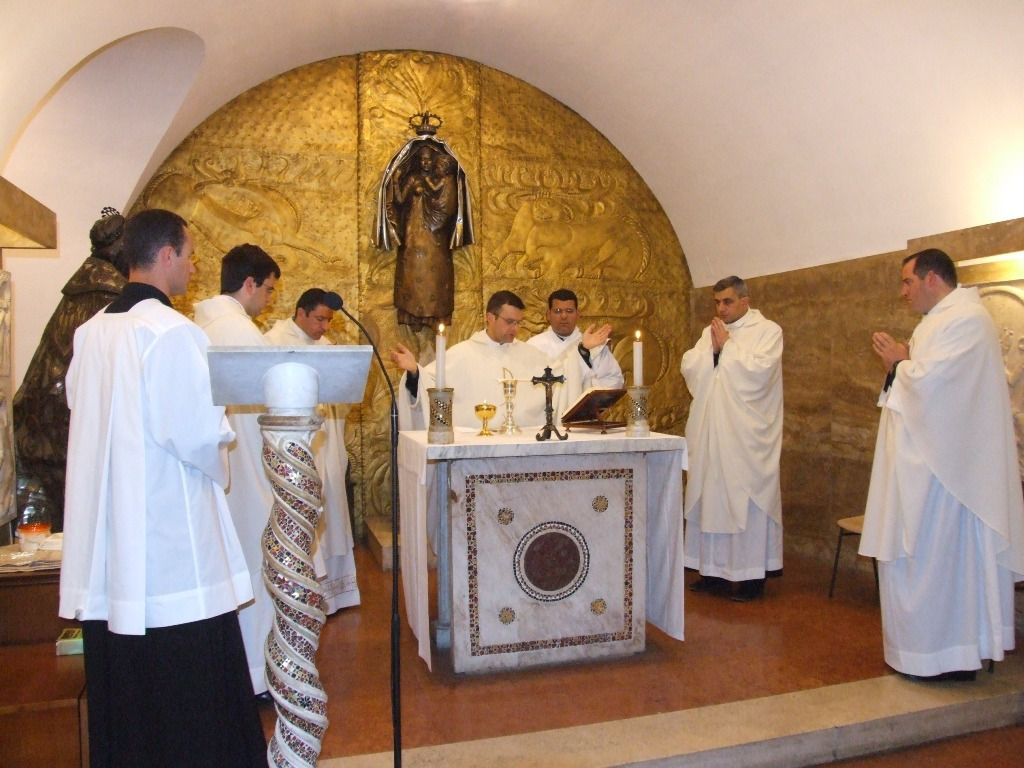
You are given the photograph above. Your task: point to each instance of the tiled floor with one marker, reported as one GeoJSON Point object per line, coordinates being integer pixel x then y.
{"type": "Point", "coordinates": [739, 668]}
{"type": "Point", "coordinates": [999, 748]}
{"type": "Point", "coordinates": [794, 639]}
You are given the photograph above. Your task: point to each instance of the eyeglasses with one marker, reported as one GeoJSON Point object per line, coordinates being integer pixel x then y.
{"type": "Point", "coordinates": [510, 323]}
{"type": "Point", "coordinates": [566, 311]}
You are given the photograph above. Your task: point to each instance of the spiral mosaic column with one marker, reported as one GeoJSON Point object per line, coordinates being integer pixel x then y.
{"type": "Point", "coordinates": [288, 573]}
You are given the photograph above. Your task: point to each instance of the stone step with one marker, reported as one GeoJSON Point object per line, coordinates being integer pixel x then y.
{"type": "Point", "coordinates": [803, 728]}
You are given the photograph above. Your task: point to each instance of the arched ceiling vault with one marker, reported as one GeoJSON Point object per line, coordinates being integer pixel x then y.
{"type": "Point", "coordinates": [776, 134]}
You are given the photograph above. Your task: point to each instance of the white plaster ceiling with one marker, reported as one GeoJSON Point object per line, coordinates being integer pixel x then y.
{"type": "Point", "coordinates": [777, 134]}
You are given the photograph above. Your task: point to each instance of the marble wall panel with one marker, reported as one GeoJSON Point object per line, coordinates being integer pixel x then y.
{"type": "Point", "coordinates": [831, 379]}
{"type": "Point", "coordinates": [974, 242]}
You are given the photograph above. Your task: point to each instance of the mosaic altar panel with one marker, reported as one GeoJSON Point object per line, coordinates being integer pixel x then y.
{"type": "Point", "coordinates": [548, 560]}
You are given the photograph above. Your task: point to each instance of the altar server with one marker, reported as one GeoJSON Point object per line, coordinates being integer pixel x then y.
{"type": "Point", "coordinates": [313, 314]}
{"type": "Point", "coordinates": [475, 367]}
{"type": "Point", "coordinates": [945, 515]}
{"type": "Point", "coordinates": [562, 339]}
{"type": "Point", "coordinates": [152, 566]}
{"type": "Point", "coordinates": [247, 278]}
{"type": "Point", "coordinates": [734, 438]}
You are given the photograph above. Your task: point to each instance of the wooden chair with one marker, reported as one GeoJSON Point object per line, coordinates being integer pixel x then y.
{"type": "Point", "coordinates": [848, 526]}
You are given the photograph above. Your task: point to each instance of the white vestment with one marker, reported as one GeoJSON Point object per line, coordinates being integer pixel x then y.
{"type": "Point", "coordinates": [734, 438]}
{"type": "Point", "coordinates": [249, 493]}
{"type": "Point", "coordinates": [602, 372]}
{"type": "Point", "coordinates": [474, 368]}
{"type": "Point", "coordinates": [334, 532]}
{"type": "Point", "coordinates": [148, 541]}
{"type": "Point", "coordinates": [945, 514]}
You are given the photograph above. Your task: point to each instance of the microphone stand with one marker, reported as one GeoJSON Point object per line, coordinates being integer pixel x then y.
{"type": "Point", "coordinates": [396, 658]}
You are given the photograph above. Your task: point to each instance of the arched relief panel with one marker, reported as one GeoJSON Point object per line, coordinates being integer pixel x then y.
{"type": "Point", "coordinates": [1006, 305]}
{"type": "Point", "coordinates": [294, 165]}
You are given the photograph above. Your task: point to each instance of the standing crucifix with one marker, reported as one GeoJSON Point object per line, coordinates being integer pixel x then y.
{"type": "Point", "coordinates": [549, 380]}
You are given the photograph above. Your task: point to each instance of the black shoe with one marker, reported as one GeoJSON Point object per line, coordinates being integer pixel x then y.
{"type": "Point", "coordinates": [711, 584]}
{"type": "Point", "coordinates": [959, 675]}
{"type": "Point", "coordinates": [264, 699]}
{"type": "Point", "coordinates": [748, 590]}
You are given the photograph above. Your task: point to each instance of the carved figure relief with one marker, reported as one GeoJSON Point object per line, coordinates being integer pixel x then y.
{"type": "Point", "coordinates": [1006, 305]}
{"type": "Point", "coordinates": [229, 210]}
{"type": "Point", "coordinates": [554, 239]}
{"type": "Point", "coordinates": [571, 231]}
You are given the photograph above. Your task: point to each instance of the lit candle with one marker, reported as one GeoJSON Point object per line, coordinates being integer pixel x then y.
{"type": "Point", "coordinates": [441, 343]}
{"type": "Point", "coordinates": [638, 361]}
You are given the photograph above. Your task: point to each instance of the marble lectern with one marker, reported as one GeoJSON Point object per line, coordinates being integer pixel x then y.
{"type": "Point", "coordinates": [291, 382]}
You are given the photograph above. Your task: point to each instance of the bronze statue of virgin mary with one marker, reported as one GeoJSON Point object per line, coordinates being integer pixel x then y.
{"type": "Point", "coordinates": [423, 209]}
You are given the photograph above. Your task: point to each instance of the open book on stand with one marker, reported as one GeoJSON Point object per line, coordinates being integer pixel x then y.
{"type": "Point", "coordinates": [589, 409]}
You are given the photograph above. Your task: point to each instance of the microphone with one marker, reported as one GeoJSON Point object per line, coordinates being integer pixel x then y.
{"type": "Point", "coordinates": [330, 300]}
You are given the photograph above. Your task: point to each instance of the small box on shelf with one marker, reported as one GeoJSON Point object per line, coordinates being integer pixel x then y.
{"type": "Point", "coordinates": [69, 642]}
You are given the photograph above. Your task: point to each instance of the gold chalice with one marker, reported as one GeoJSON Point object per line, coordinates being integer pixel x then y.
{"type": "Point", "coordinates": [485, 411]}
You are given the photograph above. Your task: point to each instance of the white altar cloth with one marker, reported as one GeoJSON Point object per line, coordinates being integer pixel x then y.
{"type": "Point", "coordinates": [421, 523]}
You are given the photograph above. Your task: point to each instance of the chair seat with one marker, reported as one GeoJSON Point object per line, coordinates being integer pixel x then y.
{"type": "Point", "coordinates": [852, 524]}
{"type": "Point", "coordinates": [848, 526]}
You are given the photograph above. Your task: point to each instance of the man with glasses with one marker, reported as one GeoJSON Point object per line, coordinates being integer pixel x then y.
{"type": "Point", "coordinates": [247, 278]}
{"type": "Point", "coordinates": [475, 367]}
{"type": "Point", "coordinates": [563, 340]}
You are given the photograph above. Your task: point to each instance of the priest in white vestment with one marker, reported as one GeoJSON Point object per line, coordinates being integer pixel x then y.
{"type": "Point", "coordinates": [945, 513]}
{"type": "Point", "coordinates": [563, 340]}
{"type": "Point", "coordinates": [152, 565]}
{"type": "Point", "coordinates": [247, 278]}
{"type": "Point", "coordinates": [313, 314]}
{"type": "Point", "coordinates": [734, 438]}
{"type": "Point", "coordinates": [474, 368]}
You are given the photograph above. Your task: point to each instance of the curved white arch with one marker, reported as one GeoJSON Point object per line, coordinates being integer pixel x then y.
{"type": "Point", "coordinates": [84, 148]}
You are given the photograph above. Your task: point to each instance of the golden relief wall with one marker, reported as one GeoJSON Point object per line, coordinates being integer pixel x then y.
{"type": "Point", "coordinates": [293, 165]}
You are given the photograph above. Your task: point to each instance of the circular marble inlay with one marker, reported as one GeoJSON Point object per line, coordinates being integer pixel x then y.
{"type": "Point", "coordinates": [551, 561]}
{"type": "Point", "coordinates": [506, 515]}
{"type": "Point", "coordinates": [600, 504]}
{"type": "Point", "coordinates": [598, 607]}
{"type": "Point", "coordinates": [506, 615]}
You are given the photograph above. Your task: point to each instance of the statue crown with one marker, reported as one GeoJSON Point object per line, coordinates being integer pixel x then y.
{"type": "Point", "coordinates": [425, 123]}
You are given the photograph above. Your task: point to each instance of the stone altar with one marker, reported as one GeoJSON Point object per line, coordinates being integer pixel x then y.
{"type": "Point", "coordinates": [547, 552]}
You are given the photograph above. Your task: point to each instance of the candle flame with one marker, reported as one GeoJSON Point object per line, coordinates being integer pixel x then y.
{"type": "Point", "coordinates": [638, 335]}
{"type": "Point", "coordinates": [440, 330]}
